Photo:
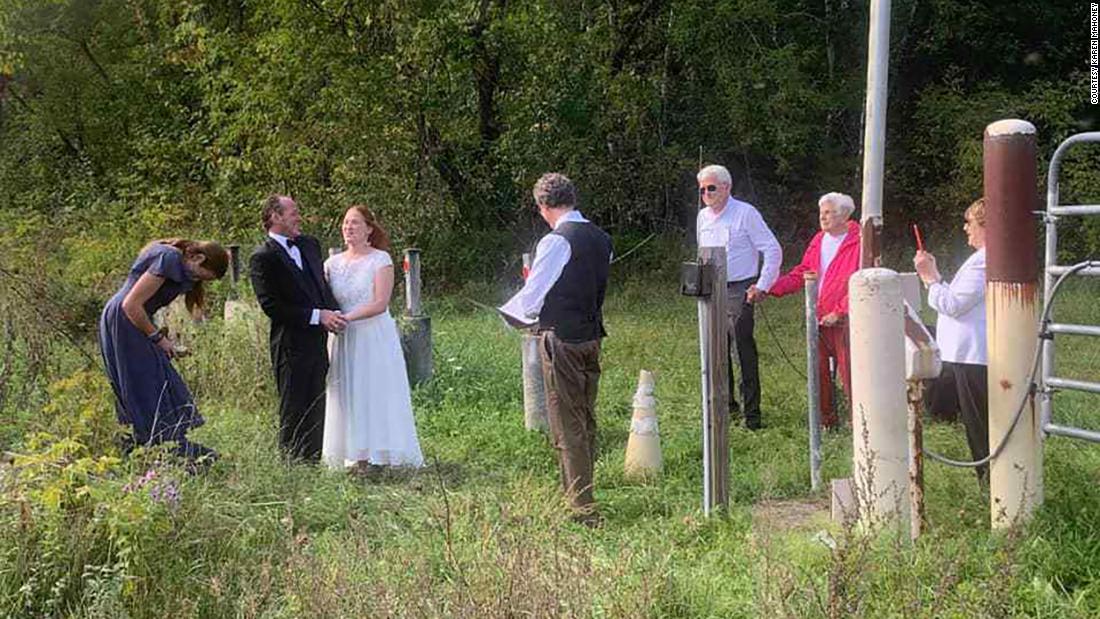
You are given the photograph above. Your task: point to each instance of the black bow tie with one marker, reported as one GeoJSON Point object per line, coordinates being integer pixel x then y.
{"type": "Point", "coordinates": [290, 243]}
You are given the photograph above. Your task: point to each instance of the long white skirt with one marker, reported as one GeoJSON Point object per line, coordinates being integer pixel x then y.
{"type": "Point", "coordinates": [368, 411]}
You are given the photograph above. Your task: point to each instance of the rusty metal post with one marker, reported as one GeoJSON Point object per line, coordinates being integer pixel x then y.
{"type": "Point", "coordinates": [416, 336]}
{"type": "Point", "coordinates": [714, 345]}
{"type": "Point", "coordinates": [874, 136]}
{"type": "Point", "coordinates": [813, 379]}
{"type": "Point", "coordinates": [1012, 314]}
{"type": "Point", "coordinates": [915, 397]}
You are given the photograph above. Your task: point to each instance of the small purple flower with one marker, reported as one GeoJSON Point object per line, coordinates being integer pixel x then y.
{"type": "Point", "coordinates": [165, 492]}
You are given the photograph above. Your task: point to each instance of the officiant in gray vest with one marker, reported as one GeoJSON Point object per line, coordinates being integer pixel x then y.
{"type": "Point", "coordinates": [563, 300]}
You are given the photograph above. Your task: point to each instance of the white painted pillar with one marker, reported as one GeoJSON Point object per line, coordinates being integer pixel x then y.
{"type": "Point", "coordinates": [879, 420]}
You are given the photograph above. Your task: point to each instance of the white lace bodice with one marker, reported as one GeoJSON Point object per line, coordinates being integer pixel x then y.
{"type": "Point", "coordinates": [352, 280]}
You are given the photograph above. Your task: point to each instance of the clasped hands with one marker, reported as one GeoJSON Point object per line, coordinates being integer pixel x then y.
{"type": "Point", "coordinates": [333, 321]}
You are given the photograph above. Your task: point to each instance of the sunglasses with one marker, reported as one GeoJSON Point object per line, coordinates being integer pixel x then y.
{"type": "Point", "coordinates": [708, 189]}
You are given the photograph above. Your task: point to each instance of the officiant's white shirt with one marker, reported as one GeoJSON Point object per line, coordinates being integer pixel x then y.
{"type": "Point", "coordinates": [551, 255]}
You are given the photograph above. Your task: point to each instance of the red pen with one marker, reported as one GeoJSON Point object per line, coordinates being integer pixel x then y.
{"type": "Point", "coordinates": [920, 242]}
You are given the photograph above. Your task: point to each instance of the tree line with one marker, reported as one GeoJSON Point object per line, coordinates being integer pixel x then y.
{"type": "Point", "coordinates": [121, 120]}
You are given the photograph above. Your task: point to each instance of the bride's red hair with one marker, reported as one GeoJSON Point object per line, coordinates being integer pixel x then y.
{"type": "Point", "coordinates": [379, 238]}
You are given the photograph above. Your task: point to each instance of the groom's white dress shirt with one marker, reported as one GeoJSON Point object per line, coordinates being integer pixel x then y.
{"type": "Point", "coordinates": [295, 257]}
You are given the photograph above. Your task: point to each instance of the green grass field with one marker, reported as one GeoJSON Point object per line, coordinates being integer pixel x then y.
{"type": "Point", "coordinates": [482, 532]}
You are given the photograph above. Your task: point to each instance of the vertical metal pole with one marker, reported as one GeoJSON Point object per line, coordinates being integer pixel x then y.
{"type": "Point", "coordinates": [412, 282]}
{"type": "Point", "coordinates": [1050, 221]}
{"type": "Point", "coordinates": [534, 386]}
{"type": "Point", "coordinates": [874, 136]}
{"type": "Point", "coordinates": [1012, 313]}
{"type": "Point", "coordinates": [716, 395]}
{"type": "Point", "coordinates": [416, 333]}
{"type": "Point", "coordinates": [915, 392]}
{"type": "Point", "coordinates": [813, 380]}
{"type": "Point", "coordinates": [234, 264]}
{"type": "Point", "coordinates": [880, 447]}
{"type": "Point", "coordinates": [233, 307]}
{"type": "Point", "coordinates": [705, 364]}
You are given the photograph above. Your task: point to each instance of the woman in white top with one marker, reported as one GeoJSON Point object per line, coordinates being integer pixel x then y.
{"type": "Point", "coordinates": [960, 330]}
{"type": "Point", "coordinates": [368, 418]}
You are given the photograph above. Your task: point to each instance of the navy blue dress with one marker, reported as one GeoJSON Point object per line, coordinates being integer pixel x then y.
{"type": "Point", "coordinates": [150, 395]}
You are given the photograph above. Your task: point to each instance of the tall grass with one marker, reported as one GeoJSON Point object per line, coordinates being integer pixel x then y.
{"type": "Point", "coordinates": [482, 531]}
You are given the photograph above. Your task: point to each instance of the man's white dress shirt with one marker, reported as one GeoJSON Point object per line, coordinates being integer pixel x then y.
{"type": "Point", "coordinates": [960, 328]}
{"type": "Point", "coordinates": [741, 230]}
{"type": "Point", "coordinates": [551, 255]}
{"type": "Point", "coordinates": [295, 257]}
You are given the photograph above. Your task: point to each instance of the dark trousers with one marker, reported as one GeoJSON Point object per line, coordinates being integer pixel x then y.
{"type": "Point", "coordinates": [962, 389]}
{"type": "Point", "coordinates": [742, 344]}
{"type": "Point", "coordinates": [571, 373]}
{"type": "Point", "coordinates": [300, 374]}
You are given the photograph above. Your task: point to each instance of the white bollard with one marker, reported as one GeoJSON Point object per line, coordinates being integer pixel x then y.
{"type": "Point", "coordinates": [643, 448]}
{"type": "Point", "coordinates": [879, 432]}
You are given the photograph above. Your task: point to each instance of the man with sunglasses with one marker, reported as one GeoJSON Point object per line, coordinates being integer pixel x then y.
{"type": "Point", "coordinates": [737, 226]}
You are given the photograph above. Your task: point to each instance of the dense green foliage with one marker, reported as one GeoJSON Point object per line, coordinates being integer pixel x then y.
{"type": "Point", "coordinates": [122, 120]}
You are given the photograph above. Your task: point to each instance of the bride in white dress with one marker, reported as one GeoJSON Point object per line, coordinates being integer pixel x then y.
{"type": "Point", "coordinates": [368, 411]}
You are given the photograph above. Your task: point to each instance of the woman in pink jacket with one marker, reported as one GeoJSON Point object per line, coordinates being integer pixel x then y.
{"type": "Point", "coordinates": [834, 255]}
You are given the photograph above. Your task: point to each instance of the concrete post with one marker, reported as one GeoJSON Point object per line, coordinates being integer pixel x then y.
{"type": "Point", "coordinates": [813, 380]}
{"type": "Point", "coordinates": [879, 433]}
{"type": "Point", "coordinates": [1012, 314]}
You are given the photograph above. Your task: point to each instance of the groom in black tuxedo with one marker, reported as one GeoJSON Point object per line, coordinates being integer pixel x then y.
{"type": "Point", "coordinates": [289, 282]}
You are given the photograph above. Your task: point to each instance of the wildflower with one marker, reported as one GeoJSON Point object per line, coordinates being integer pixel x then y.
{"type": "Point", "coordinates": [166, 492]}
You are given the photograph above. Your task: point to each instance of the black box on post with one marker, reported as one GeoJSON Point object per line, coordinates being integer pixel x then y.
{"type": "Point", "coordinates": [696, 280]}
